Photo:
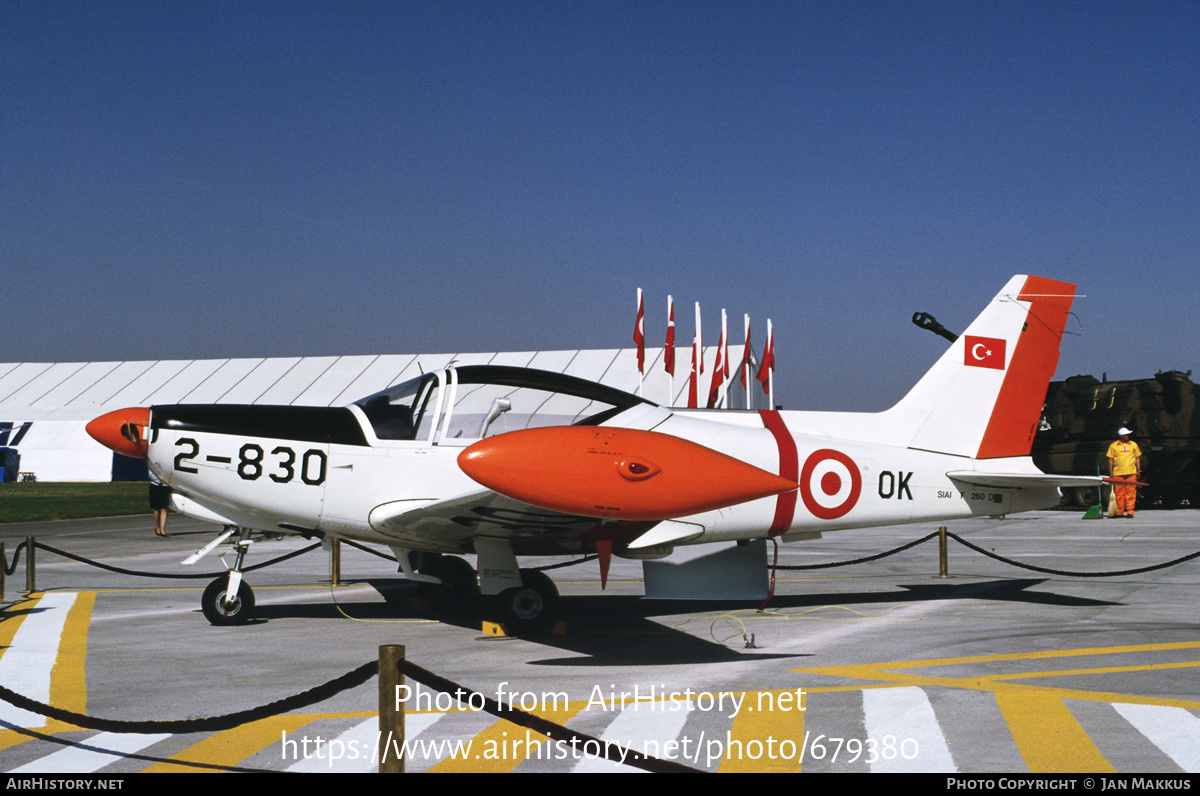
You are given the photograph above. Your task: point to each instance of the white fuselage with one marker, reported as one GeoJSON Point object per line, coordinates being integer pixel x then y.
{"type": "Point", "coordinates": [334, 488]}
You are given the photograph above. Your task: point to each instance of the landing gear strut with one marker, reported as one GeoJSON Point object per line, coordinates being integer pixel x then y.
{"type": "Point", "coordinates": [525, 601]}
{"type": "Point", "coordinates": [229, 600]}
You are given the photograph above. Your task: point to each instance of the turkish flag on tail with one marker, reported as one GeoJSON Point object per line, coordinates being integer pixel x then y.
{"type": "Point", "coordinates": [983, 352]}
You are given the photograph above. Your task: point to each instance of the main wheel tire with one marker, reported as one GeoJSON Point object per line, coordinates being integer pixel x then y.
{"type": "Point", "coordinates": [235, 612]}
{"type": "Point", "coordinates": [1086, 496]}
{"type": "Point", "coordinates": [531, 607]}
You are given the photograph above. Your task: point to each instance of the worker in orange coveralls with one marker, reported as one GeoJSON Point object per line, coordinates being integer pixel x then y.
{"type": "Point", "coordinates": [1125, 464]}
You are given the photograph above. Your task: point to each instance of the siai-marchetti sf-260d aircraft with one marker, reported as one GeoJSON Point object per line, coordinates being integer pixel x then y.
{"type": "Point", "coordinates": [505, 462]}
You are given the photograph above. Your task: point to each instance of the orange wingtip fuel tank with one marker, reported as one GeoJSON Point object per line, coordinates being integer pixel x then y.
{"type": "Point", "coordinates": [123, 431]}
{"type": "Point", "coordinates": [616, 473]}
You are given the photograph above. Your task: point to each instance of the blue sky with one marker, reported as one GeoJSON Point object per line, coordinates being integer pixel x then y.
{"type": "Point", "coordinates": [182, 179]}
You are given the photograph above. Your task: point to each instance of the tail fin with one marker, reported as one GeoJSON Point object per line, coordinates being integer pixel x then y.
{"type": "Point", "coordinates": [984, 397]}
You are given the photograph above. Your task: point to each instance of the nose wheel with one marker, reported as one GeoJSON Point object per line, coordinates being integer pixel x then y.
{"type": "Point", "coordinates": [225, 606]}
{"type": "Point", "coordinates": [228, 600]}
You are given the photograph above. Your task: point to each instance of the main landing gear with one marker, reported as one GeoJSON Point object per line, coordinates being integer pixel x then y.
{"type": "Point", "coordinates": [530, 608]}
{"type": "Point", "coordinates": [524, 601]}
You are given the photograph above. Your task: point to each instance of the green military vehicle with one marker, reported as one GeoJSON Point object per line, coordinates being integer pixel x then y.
{"type": "Point", "coordinates": [1081, 418]}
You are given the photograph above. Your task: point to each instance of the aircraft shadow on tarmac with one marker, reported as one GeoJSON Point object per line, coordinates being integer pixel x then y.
{"type": "Point", "coordinates": [618, 630]}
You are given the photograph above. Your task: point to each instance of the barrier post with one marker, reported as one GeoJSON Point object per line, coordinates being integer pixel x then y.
{"type": "Point", "coordinates": [391, 709]}
{"type": "Point", "coordinates": [943, 557]}
{"type": "Point", "coordinates": [3, 567]}
{"type": "Point", "coordinates": [30, 569]}
{"type": "Point", "coordinates": [335, 562]}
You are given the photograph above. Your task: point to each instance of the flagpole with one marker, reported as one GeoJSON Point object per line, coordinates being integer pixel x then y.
{"type": "Point", "coordinates": [697, 364]}
{"type": "Point", "coordinates": [746, 362]}
{"type": "Point", "coordinates": [723, 355]}
{"type": "Point", "coordinates": [771, 372]}
{"type": "Point", "coordinates": [639, 337]}
{"type": "Point", "coordinates": [766, 366]}
{"type": "Point", "coordinates": [669, 351]}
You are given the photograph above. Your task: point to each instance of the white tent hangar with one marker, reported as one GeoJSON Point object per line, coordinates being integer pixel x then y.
{"type": "Point", "coordinates": [44, 407]}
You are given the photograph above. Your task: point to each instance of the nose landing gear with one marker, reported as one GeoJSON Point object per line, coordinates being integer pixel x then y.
{"type": "Point", "coordinates": [228, 600]}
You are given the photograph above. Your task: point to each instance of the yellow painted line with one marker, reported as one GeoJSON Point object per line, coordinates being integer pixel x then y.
{"type": "Point", "coordinates": [323, 587]}
{"type": "Point", "coordinates": [68, 678]}
{"type": "Point", "coordinates": [68, 683]}
{"type": "Point", "coordinates": [230, 747]}
{"type": "Point", "coordinates": [1047, 735]}
{"type": "Point", "coordinates": [504, 745]}
{"type": "Point", "coordinates": [1045, 731]}
{"type": "Point", "coordinates": [1013, 656]}
{"type": "Point", "coordinates": [886, 673]}
{"type": "Point", "coordinates": [748, 738]}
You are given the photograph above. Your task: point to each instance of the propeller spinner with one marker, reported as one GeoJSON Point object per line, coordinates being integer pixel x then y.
{"type": "Point", "coordinates": [122, 431]}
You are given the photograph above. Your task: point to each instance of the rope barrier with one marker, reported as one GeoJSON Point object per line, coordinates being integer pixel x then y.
{"type": "Point", "coordinates": [177, 576]}
{"type": "Point", "coordinates": [997, 557]}
{"type": "Point", "coordinates": [12, 570]}
{"type": "Point", "coordinates": [608, 749]}
{"type": "Point", "coordinates": [1068, 573]}
{"type": "Point", "coordinates": [212, 724]}
{"type": "Point", "coordinates": [863, 560]}
{"type": "Point", "coordinates": [351, 679]}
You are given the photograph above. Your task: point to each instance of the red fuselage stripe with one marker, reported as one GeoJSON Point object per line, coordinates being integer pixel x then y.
{"type": "Point", "coordinates": [789, 468]}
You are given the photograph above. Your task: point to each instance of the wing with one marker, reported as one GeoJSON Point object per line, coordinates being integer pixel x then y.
{"type": "Point", "coordinates": [450, 524]}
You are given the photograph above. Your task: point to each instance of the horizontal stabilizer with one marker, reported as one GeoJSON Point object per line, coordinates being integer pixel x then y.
{"type": "Point", "coordinates": [1022, 480]}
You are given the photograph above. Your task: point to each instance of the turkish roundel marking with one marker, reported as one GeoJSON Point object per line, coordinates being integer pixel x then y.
{"type": "Point", "coordinates": [830, 484]}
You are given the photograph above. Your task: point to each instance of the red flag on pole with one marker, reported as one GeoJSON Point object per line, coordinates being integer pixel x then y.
{"type": "Point", "coordinates": [669, 351]}
{"type": "Point", "coordinates": [721, 371]}
{"type": "Point", "coordinates": [767, 366]}
{"type": "Point", "coordinates": [639, 335]}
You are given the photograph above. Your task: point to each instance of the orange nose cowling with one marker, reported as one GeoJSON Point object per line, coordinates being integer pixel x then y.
{"type": "Point", "coordinates": [614, 473]}
{"type": "Point", "coordinates": [123, 431]}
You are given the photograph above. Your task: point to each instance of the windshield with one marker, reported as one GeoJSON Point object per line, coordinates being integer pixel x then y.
{"type": "Point", "coordinates": [488, 400]}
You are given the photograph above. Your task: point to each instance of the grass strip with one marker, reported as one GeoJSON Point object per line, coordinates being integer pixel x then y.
{"type": "Point", "coordinates": [36, 502]}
